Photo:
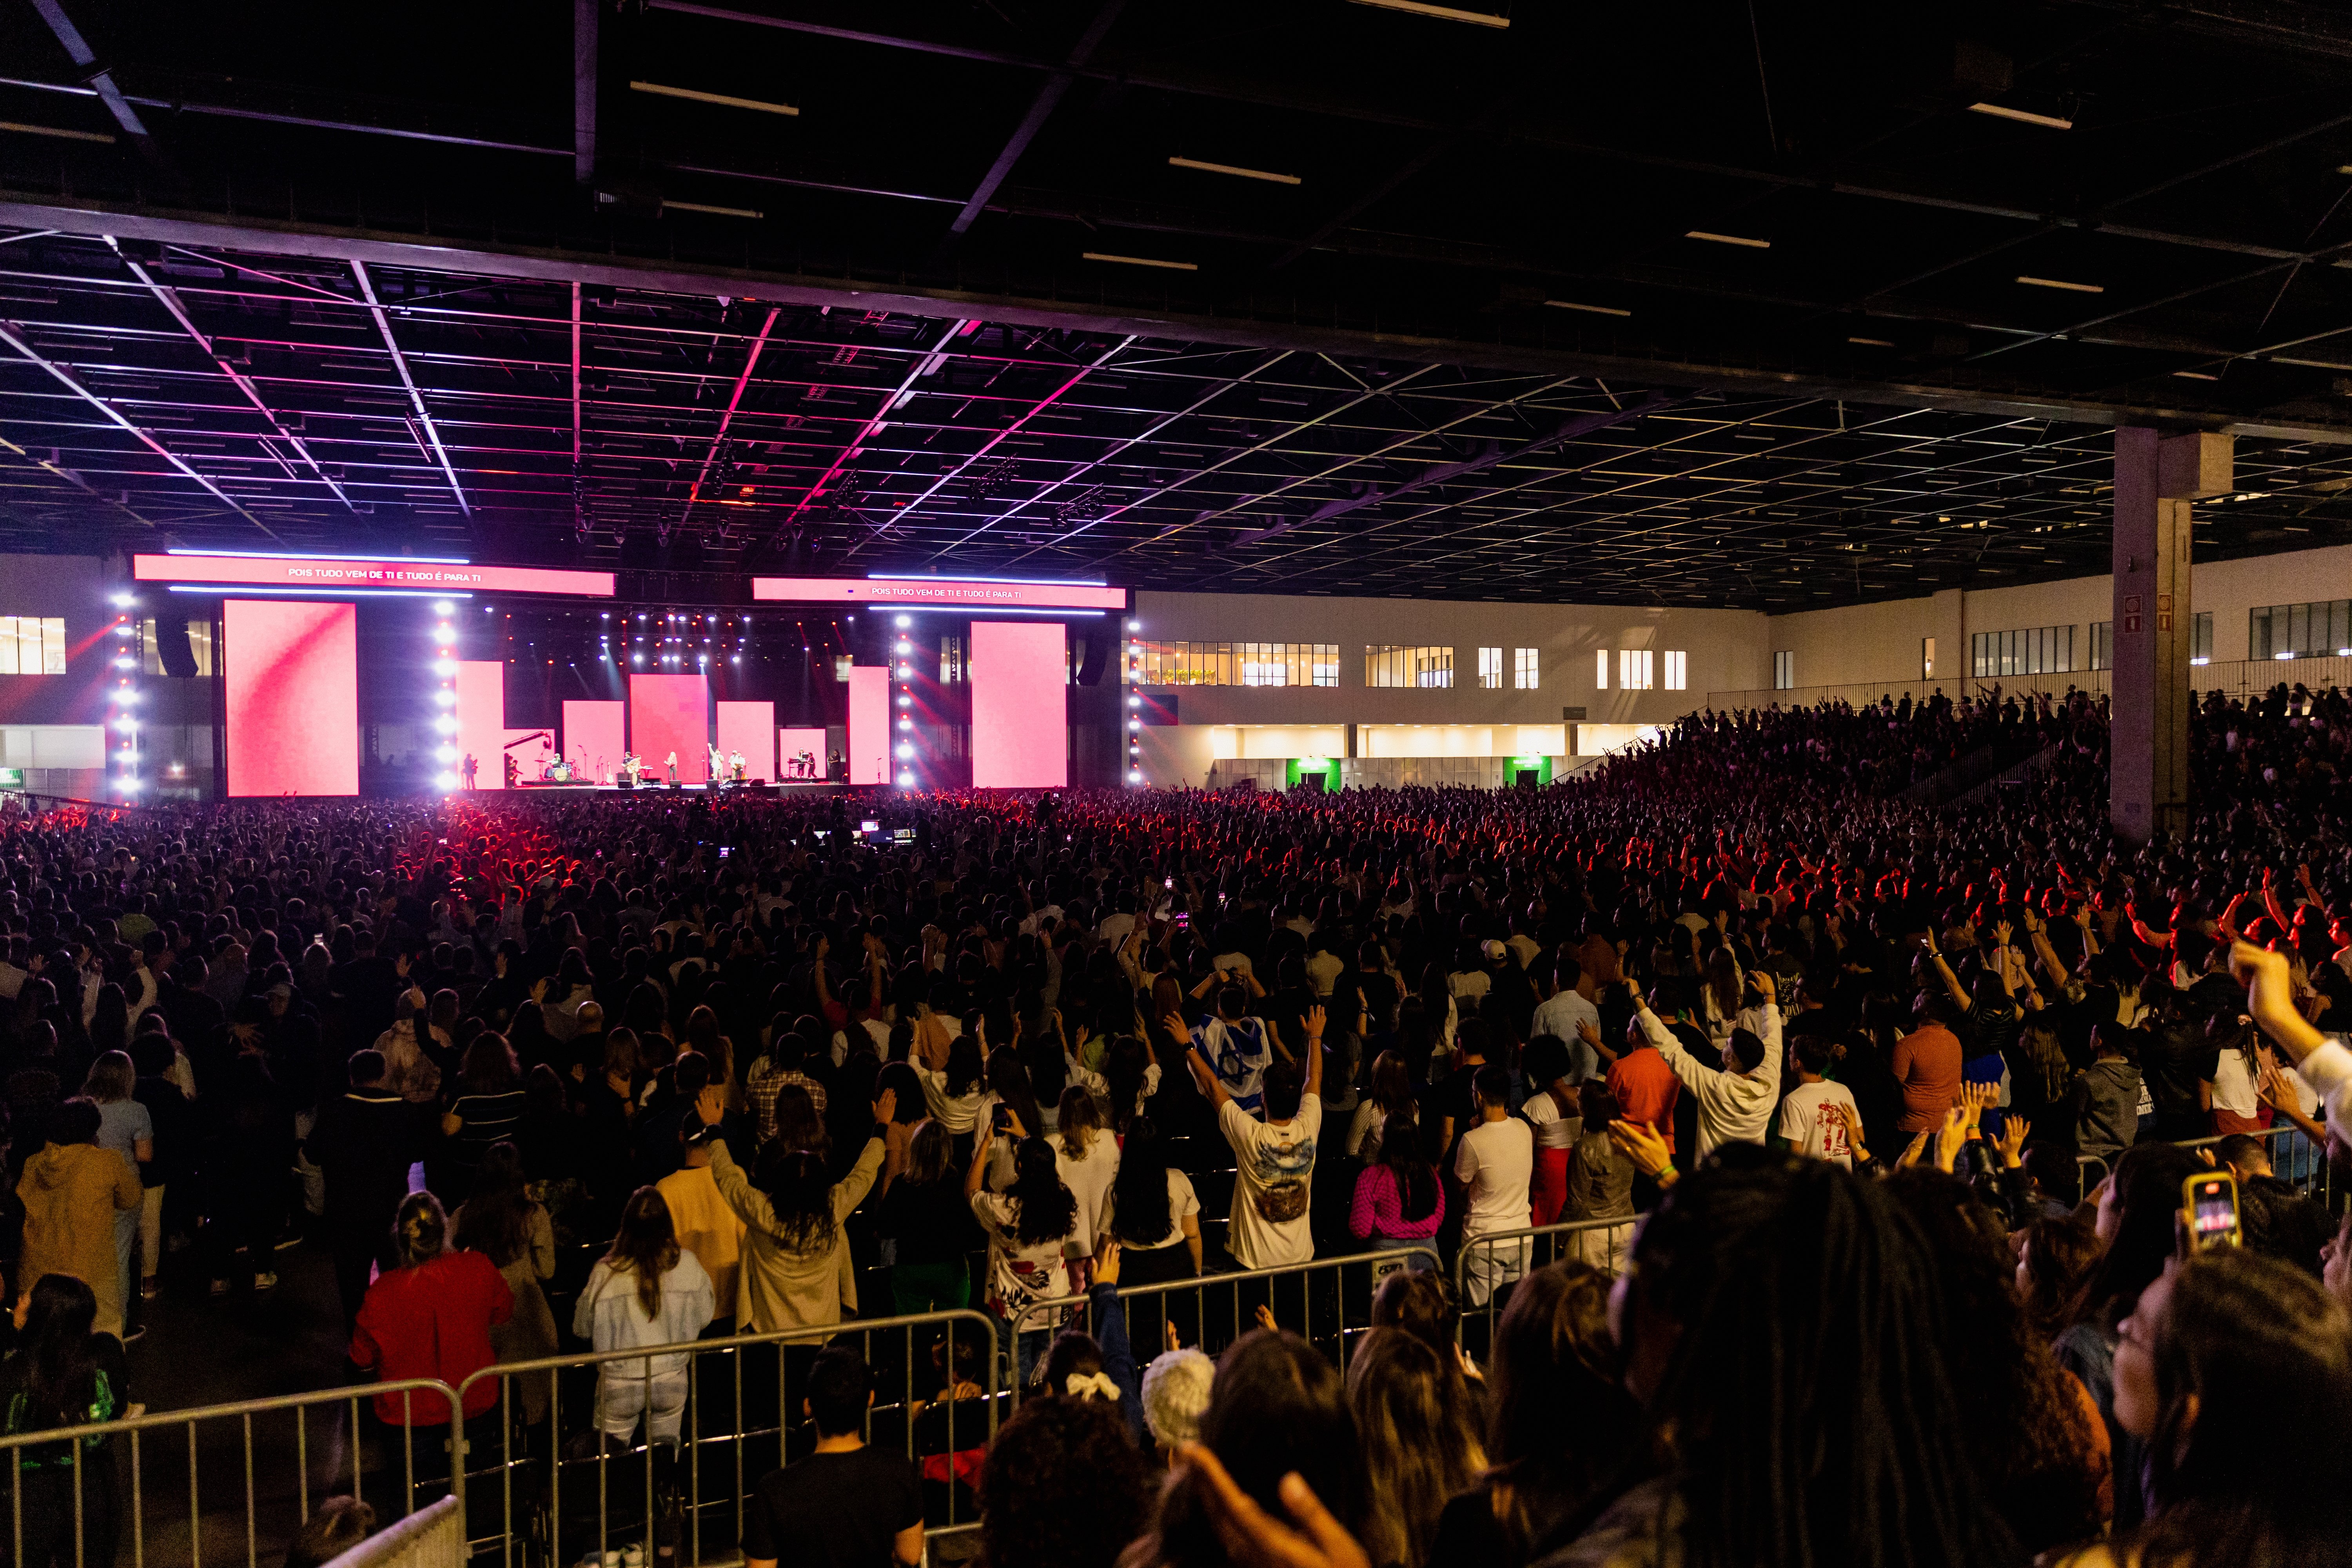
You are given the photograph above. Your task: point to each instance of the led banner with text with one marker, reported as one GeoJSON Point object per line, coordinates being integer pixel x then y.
{"type": "Point", "coordinates": [337, 573]}
{"type": "Point", "coordinates": [670, 715]}
{"type": "Point", "coordinates": [1020, 708]}
{"type": "Point", "coordinates": [939, 593]}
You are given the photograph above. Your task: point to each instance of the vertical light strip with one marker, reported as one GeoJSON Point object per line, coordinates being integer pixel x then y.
{"type": "Point", "coordinates": [123, 698]}
{"type": "Point", "coordinates": [444, 696]}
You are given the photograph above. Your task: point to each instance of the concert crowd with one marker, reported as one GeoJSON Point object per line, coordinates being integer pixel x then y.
{"type": "Point", "coordinates": [1876, 1120]}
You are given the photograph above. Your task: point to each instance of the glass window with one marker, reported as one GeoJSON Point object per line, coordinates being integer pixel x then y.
{"type": "Point", "coordinates": [199, 645]}
{"type": "Point", "coordinates": [2035, 650]}
{"type": "Point", "coordinates": [1784, 669]}
{"type": "Point", "coordinates": [2103, 644]}
{"type": "Point", "coordinates": [1490, 668]}
{"type": "Point", "coordinates": [1392, 664]}
{"type": "Point", "coordinates": [32, 644]}
{"type": "Point", "coordinates": [1231, 663]}
{"type": "Point", "coordinates": [2200, 637]}
{"type": "Point", "coordinates": [1677, 670]}
{"type": "Point", "coordinates": [1601, 669]}
{"type": "Point", "coordinates": [1524, 674]}
{"type": "Point", "coordinates": [1633, 668]}
{"type": "Point", "coordinates": [2300, 631]}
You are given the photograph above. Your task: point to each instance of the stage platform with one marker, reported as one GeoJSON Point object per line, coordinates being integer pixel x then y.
{"type": "Point", "coordinates": [754, 787]}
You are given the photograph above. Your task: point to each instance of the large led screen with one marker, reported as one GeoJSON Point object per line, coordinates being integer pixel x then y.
{"type": "Point", "coordinates": [869, 724]}
{"type": "Point", "coordinates": [1020, 708]}
{"type": "Point", "coordinates": [671, 713]}
{"type": "Point", "coordinates": [481, 713]}
{"type": "Point", "coordinates": [594, 739]}
{"type": "Point", "coordinates": [800, 753]}
{"type": "Point", "coordinates": [750, 727]}
{"type": "Point", "coordinates": [292, 673]}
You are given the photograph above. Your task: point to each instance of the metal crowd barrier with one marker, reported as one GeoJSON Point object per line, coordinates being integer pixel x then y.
{"type": "Point", "coordinates": [2294, 1158]}
{"type": "Point", "coordinates": [556, 1495]}
{"type": "Point", "coordinates": [2085, 1182]}
{"type": "Point", "coordinates": [76, 1505]}
{"type": "Point", "coordinates": [1487, 1266]}
{"type": "Point", "coordinates": [434, 1537]}
{"type": "Point", "coordinates": [1327, 1303]}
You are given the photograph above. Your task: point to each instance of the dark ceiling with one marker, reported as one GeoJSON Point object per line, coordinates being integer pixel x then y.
{"type": "Point", "coordinates": [308, 274]}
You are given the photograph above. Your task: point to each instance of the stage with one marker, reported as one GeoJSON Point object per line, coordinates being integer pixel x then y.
{"type": "Point", "coordinates": [749, 786]}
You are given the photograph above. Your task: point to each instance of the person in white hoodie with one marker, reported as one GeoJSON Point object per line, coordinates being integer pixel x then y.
{"type": "Point", "coordinates": [647, 1291]}
{"type": "Point", "coordinates": [1734, 1100]}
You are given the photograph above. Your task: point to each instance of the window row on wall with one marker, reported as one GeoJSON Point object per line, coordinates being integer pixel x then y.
{"type": "Point", "coordinates": [32, 644]}
{"type": "Point", "coordinates": [2300, 631]}
{"type": "Point", "coordinates": [1233, 663]}
{"type": "Point", "coordinates": [1639, 669]}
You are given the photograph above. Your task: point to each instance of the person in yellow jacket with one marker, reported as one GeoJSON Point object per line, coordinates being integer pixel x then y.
{"type": "Point", "coordinates": [71, 1191]}
{"type": "Point", "coordinates": [795, 1265]}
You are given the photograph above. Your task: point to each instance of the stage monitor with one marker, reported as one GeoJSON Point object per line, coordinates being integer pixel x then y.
{"type": "Point", "coordinates": [671, 713]}
{"type": "Point", "coordinates": [1019, 709]}
{"type": "Point", "coordinates": [291, 670]}
{"type": "Point", "coordinates": [594, 736]}
{"type": "Point", "coordinates": [792, 746]}
{"type": "Point", "coordinates": [750, 727]}
{"type": "Point", "coordinates": [869, 724]}
{"type": "Point", "coordinates": [481, 721]}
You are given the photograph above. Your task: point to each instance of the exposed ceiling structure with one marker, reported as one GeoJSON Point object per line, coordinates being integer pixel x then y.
{"type": "Point", "coordinates": [1779, 308]}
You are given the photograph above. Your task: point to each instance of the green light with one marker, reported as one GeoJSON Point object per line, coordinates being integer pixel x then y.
{"type": "Point", "coordinates": [1314, 765]}
{"type": "Point", "coordinates": [1526, 761]}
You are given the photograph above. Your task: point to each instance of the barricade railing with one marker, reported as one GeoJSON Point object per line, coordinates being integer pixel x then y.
{"type": "Point", "coordinates": [1325, 1302]}
{"type": "Point", "coordinates": [2294, 1158]}
{"type": "Point", "coordinates": [551, 1479]}
{"type": "Point", "coordinates": [1486, 1263]}
{"type": "Point", "coordinates": [433, 1537]}
{"type": "Point", "coordinates": [75, 1491]}
{"type": "Point", "coordinates": [2090, 1170]}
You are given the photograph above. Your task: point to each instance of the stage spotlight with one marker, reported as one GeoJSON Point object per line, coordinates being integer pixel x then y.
{"type": "Point", "coordinates": [445, 666]}
{"type": "Point", "coordinates": [1134, 777]}
{"type": "Point", "coordinates": [121, 601]}
{"type": "Point", "coordinates": [446, 697]}
{"type": "Point", "coordinates": [905, 621]}
{"type": "Point", "coordinates": [905, 781]}
{"type": "Point", "coordinates": [445, 781]}
{"type": "Point", "coordinates": [444, 753]}
{"type": "Point", "coordinates": [446, 725]}
{"type": "Point", "coordinates": [125, 663]}
{"type": "Point", "coordinates": [444, 607]}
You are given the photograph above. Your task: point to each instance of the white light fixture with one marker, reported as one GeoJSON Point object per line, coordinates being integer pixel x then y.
{"type": "Point", "coordinates": [444, 753]}
{"type": "Point", "coordinates": [2284, 655]}
{"type": "Point", "coordinates": [1443, 12]}
{"type": "Point", "coordinates": [2062, 283]}
{"type": "Point", "coordinates": [444, 607]}
{"type": "Point", "coordinates": [1873, 342]}
{"type": "Point", "coordinates": [1139, 261]}
{"type": "Point", "coordinates": [445, 781]}
{"type": "Point", "coordinates": [724, 100]}
{"type": "Point", "coordinates": [445, 725]}
{"type": "Point", "coordinates": [1713, 239]}
{"type": "Point", "coordinates": [445, 666]}
{"type": "Point", "coordinates": [2195, 375]}
{"type": "Point", "coordinates": [905, 781]}
{"type": "Point", "coordinates": [2022, 116]}
{"type": "Point", "coordinates": [446, 697]}
{"type": "Point", "coordinates": [121, 601]}
{"type": "Point", "coordinates": [1588, 309]}
{"type": "Point", "coordinates": [1234, 169]}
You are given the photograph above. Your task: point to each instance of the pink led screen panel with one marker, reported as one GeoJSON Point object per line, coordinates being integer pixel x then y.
{"type": "Point", "coordinates": [671, 713]}
{"type": "Point", "coordinates": [481, 721]}
{"type": "Point", "coordinates": [750, 727]}
{"type": "Point", "coordinates": [1020, 710]}
{"type": "Point", "coordinates": [595, 735]}
{"type": "Point", "coordinates": [291, 670]}
{"type": "Point", "coordinates": [790, 744]}
{"type": "Point", "coordinates": [869, 724]}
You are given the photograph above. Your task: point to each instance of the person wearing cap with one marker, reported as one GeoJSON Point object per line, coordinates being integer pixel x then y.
{"type": "Point", "coordinates": [1175, 1395]}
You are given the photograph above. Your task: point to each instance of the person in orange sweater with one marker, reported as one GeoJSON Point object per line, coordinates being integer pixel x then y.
{"type": "Point", "coordinates": [1926, 1063]}
{"type": "Point", "coordinates": [71, 1191]}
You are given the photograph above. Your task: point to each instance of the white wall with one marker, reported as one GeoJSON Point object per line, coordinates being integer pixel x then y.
{"type": "Point", "coordinates": [1881, 642]}
{"type": "Point", "coordinates": [1463, 722]}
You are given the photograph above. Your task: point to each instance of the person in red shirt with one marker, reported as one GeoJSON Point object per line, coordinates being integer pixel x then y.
{"type": "Point", "coordinates": [430, 1316]}
{"type": "Point", "coordinates": [1641, 1082]}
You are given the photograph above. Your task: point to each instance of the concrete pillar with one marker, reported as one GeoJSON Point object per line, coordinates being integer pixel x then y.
{"type": "Point", "coordinates": [2157, 477]}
